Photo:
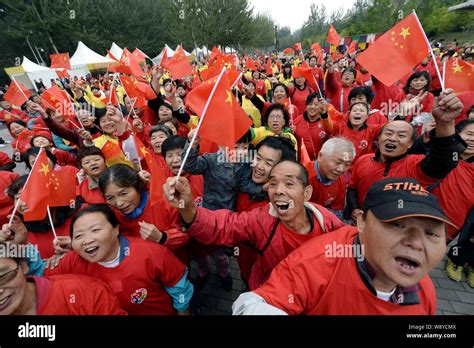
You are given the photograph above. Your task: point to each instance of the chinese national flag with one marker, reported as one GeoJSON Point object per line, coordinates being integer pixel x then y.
{"type": "Point", "coordinates": [113, 152]}
{"type": "Point", "coordinates": [139, 54]}
{"type": "Point", "coordinates": [157, 176]}
{"type": "Point", "coordinates": [352, 48]}
{"type": "Point", "coordinates": [62, 187]}
{"type": "Point", "coordinates": [58, 100]}
{"type": "Point", "coordinates": [129, 64]}
{"type": "Point", "coordinates": [288, 51]}
{"type": "Point", "coordinates": [35, 192]}
{"type": "Point", "coordinates": [111, 56]}
{"type": "Point", "coordinates": [307, 73]}
{"type": "Point", "coordinates": [304, 156]}
{"type": "Point", "coordinates": [63, 74]}
{"type": "Point", "coordinates": [401, 48]}
{"type": "Point", "coordinates": [164, 59]}
{"type": "Point", "coordinates": [216, 53]}
{"type": "Point", "coordinates": [112, 98]}
{"type": "Point", "coordinates": [316, 47]}
{"type": "Point", "coordinates": [213, 70]}
{"type": "Point", "coordinates": [333, 37]}
{"type": "Point", "coordinates": [250, 64]}
{"type": "Point", "coordinates": [225, 122]}
{"type": "Point", "coordinates": [179, 65]}
{"type": "Point", "coordinates": [269, 68]}
{"type": "Point", "coordinates": [321, 57]}
{"type": "Point", "coordinates": [60, 60]}
{"type": "Point", "coordinates": [17, 94]}
{"type": "Point", "coordinates": [459, 76]}
{"type": "Point", "coordinates": [136, 89]}
{"type": "Point", "coordinates": [297, 47]}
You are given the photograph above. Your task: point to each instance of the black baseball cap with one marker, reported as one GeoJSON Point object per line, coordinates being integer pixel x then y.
{"type": "Point", "coordinates": [397, 198]}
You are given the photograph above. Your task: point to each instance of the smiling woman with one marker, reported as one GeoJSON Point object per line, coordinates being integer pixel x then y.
{"type": "Point", "coordinates": [162, 288]}
{"type": "Point", "coordinates": [127, 195]}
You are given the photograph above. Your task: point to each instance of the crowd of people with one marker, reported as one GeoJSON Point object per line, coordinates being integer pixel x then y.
{"type": "Point", "coordinates": [339, 199]}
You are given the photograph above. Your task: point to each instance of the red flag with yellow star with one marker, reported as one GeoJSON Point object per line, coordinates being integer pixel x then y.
{"type": "Point", "coordinates": [35, 192]}
{"type": "Point", "coordinates": [304, 156]}
{"type": "Point", "coordinates": [136, 89]}
{"type": "Point", "coordinates": [225, 122]}
{"type": "Point", "coordinates": [62, 187]}
{"type": "Point", "coordinates": [17, 94]}
{"type": "Point", "coordinates": [396, 52]}
{"type": "Point", "coordinates": [459, 75]}
{"type": "Point", "coordinates": [179, 65]}
{"type": "Point", "coordinates": [333, 37]}
{"type": "Point", "coordinates": [158, 178]}
{"type": "Point", "coordinates": [129, 64]}
{"type": "Point", "coordinates": [60, 60]}
{"type": "Point", "coordinates": [63, 74]}
{"type": "Point", "coordinates": [57, 99]}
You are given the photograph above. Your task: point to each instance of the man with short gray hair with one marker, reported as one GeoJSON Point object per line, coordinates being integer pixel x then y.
{"type": "Point", "coordinates": [327, 174]}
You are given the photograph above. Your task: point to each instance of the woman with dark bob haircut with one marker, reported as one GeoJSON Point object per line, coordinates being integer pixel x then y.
{"type": "Point", "coordinates": [128, 196]}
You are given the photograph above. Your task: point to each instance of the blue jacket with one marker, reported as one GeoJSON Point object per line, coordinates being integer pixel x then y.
{"type": "Point", "coordinates": [222, 180]}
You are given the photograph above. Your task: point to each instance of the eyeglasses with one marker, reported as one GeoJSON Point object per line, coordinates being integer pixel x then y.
{"type": "Point", "coordinates": [6, 278]}
{"type": "Point", "coordinates": [276, 117]}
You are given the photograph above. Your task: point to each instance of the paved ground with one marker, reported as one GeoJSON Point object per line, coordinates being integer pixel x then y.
{"type": "Point", "coordinates": [453, 298]}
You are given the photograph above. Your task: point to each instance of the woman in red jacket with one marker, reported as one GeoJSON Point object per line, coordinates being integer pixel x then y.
{"type": "Point", "coordinates": [146, 277]}
{"type": "Point", "coordinates": [126, 193]}
{"type": "Point", "coordinates": [355, 129]}
{"type": "Point", "coordinates": [309, 126]}
{"type": "Point", "coordinates": [22, 295]}
{"type": "Point", "coordinates": [299, 93]}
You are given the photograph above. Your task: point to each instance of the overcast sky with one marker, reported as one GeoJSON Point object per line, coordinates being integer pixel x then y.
{"type": "Point", "coordinates": [293, 13]}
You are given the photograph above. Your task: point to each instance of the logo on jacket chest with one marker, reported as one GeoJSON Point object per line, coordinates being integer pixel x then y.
{"type": "Point", "coordinates": [363, 144]}
{"type": "Point", "coordinates": [139, 296]}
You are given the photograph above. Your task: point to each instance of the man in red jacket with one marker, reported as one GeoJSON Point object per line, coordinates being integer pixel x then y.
{"type": "Point", "coordinates": [379, 268]}
{"type": "Point", "coordinates": [327, 174]}
{"type": "Point", "coordinates": [392, 159]}
{"type": "Point", "coordinates": [274, 230]}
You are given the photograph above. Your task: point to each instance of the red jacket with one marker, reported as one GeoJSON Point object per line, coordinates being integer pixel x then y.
{"type": "Point", "coordinates": [6, 202]}
{"type": "Point", "coordinates": [224, 227]}
{"type": "Point", "coordinates": [331, 285]}
{"type": "Point", "coordinates": [298, 98]}
{"type": "Point", "coordinates": [90, 195]}
{"type": "Point", "coordinates": [91, 296]}
{"type": "Point", "coordinates": [362, 139]}
{"type": "Point", "coordinates": [146, 269]}
{"type": "Point", "coordinates": [367, 170]}
{"type": "Point", "coordinates": [313, 134]}
{"type": "Point", "coordinates": [331, 196]}
{"type": "Point", "coordinates": [337, 93]}
{"type": "Point", "coordinates": [456, 195]}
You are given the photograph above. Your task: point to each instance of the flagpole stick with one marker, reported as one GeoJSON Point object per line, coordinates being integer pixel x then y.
{"type": "Point", "coordinates": [236, 80]}
{"type": "Point", "coordinates": [200, 122]}
{"type": "Point", "coordinates": [132, 109]}
{"type": "Point", "coordinates": [51, 222]}
{"type": "Point", "coordinates": [444, 71]}
{"type": "Point", "coordinates": [77, 117]}
{"type": "Point", "coordinates": [18, 86]}
{"type": "Point", "coordinates": [441, 80]}
{"type": "Point", "coordinates": [26, 183]}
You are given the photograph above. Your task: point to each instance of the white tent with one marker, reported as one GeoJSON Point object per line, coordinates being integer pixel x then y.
{"type": "Point", "coordinates": [29, 71]}
{"type": "Point", "coordinates": [169, 53]}
{"type": "Point", "coordinates": [187, 54]}
{"type": "Point", "coordinates": [85, 57]}
{"type": "Point", "coordinates": [115, 50]}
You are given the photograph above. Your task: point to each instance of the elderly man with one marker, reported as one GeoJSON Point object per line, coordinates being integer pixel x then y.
{"type": "Point", "coordinates": [327, 174]}
{"type": "Point", "coordinates": [275, 229]}
{"type": "Point", "coordinates": [392, 159]}
{"type": "Point", "coordinates": [379, 267]}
